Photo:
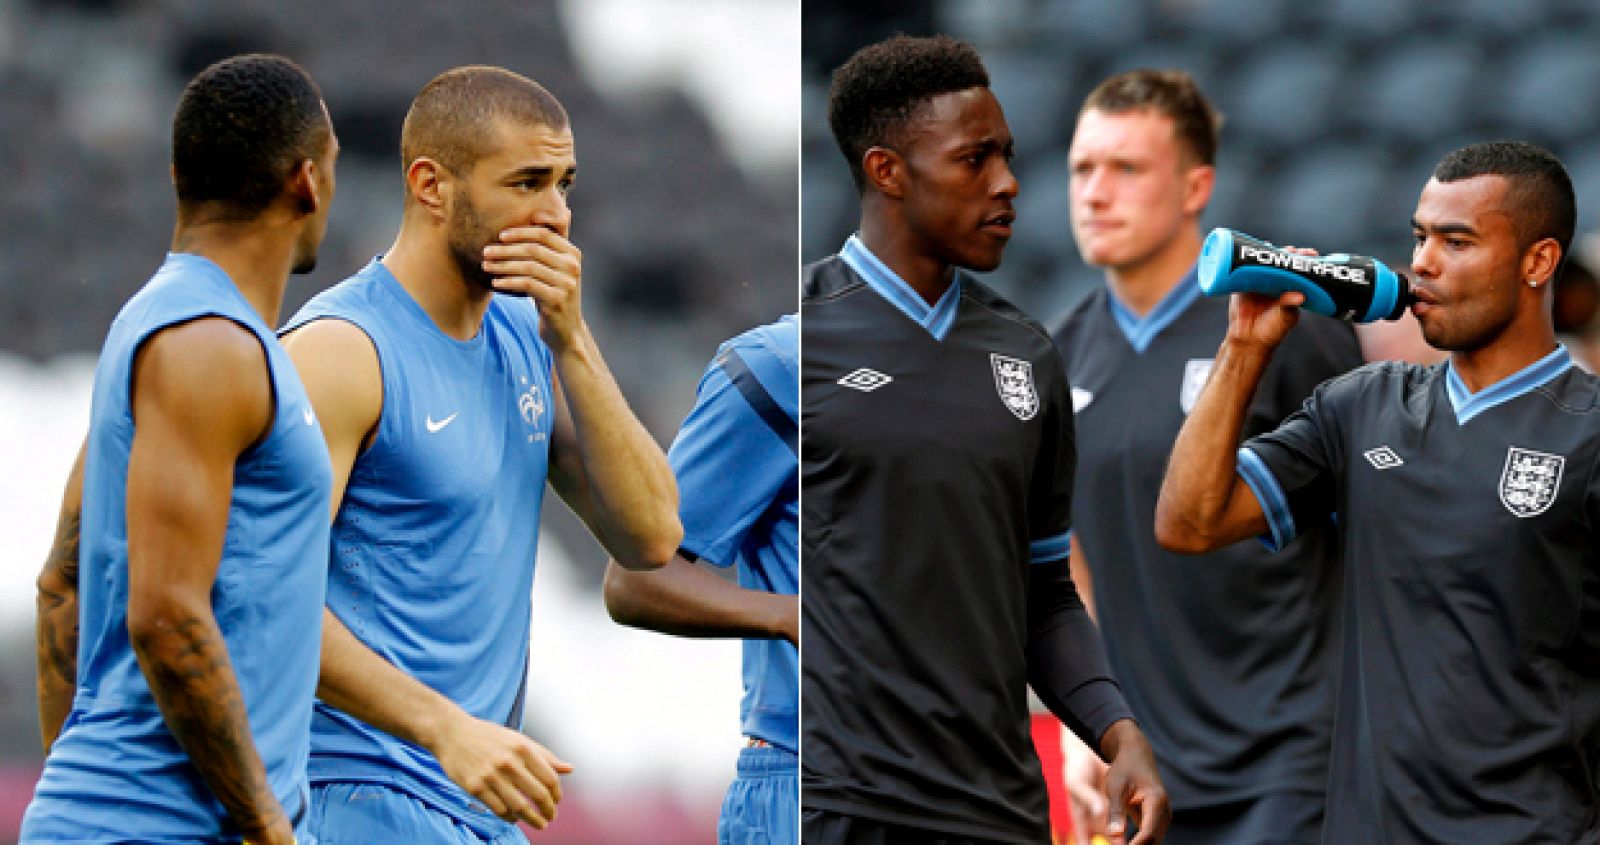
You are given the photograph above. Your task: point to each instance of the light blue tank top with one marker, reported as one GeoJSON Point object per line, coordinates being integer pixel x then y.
{"type": "Point", "coordinates": [117, 773]}
{"type": "Point", "coordinates": [433, 545]}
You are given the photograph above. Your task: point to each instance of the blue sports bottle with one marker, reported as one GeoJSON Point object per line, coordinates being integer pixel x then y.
{"type": "Point", "coordinates": [1354, 288]}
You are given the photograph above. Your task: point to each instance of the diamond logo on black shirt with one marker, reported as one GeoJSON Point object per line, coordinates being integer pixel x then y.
{"type": "Point", "coordinates": [1382, 458]}
{"type": "Point", "coordinates": [865, 380]}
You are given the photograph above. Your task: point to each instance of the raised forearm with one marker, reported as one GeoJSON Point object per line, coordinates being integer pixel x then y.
{"type": "Point", "coordinates": [626, 478]}
{"type": "Point", "coordinates": [184, 657]}
{"type": "Point", "coordinates": [685, 600]}
{"type": "Point", "coordinates": [1201, 481]}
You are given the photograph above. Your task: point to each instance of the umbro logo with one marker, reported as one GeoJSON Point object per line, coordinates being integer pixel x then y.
{"type": "Point", "coordinates": [1382, 458]}
{"type": "Point", "coordinates": [865, 380]}
{"type": "Point", "coordinates": [435, 427]}
{"type": "Point", "coordinates": [310, 416]}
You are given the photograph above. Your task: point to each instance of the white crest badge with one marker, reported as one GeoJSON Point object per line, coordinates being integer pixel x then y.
{"type": "Point", "coordinates": [1530, 480]}
{"type": "Point", "coordinates": [1014, 379]}
{"type": "Point", "coordinates": [531, 405]}
{"type": "Point", "coordinates": [1195, 374]}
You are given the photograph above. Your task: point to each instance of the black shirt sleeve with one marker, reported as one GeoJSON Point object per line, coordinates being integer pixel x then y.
{"type": "Point", "coordinates": [1050, 493]}
{"type": "Point", "coordinates": [1293, 469]}
{"type": "Point", "coordinates": [1067, 665]}
{"type": "Point", "coordinates": [1316, 350]}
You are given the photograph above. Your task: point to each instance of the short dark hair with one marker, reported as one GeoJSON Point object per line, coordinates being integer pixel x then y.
{"type": "Point", "coordinates": [1173, 93]}
{"type": "Point", "coordinates": [1538, 199]}
{"type": "Point", "coordinates": [243, 125]}
{"type": "Point", "coordinates": [452, 117]}
{"type": "Point", "coordinates": [879, 89]}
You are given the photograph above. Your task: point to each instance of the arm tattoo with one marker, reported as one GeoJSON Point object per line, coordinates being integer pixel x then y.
{"type": "Point", "coordinates": [192, 680]}
{"type": "Point", "coordinates": [58, 623]}
{"type": "Point", "coordinates": [56, 640]}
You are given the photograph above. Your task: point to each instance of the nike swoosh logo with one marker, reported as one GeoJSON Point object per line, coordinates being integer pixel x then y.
{"type": "Point", "coordinates": [434, 427]}
{"type": "Point", "coordinates": [311, 418]}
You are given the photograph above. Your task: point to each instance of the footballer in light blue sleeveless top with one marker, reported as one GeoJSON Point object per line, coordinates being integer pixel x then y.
{"type": "Point", "coordinates": [433, 546]}
{"type": "Point", "coordinates": [116, 773]}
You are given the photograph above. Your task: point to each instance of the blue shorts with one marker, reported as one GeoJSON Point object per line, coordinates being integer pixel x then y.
{"type": "Point", "coordinates": [763, 804]}
{"type": "Point", "coordinates": [363, 813]}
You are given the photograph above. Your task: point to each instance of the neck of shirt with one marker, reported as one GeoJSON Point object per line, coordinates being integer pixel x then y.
{"type": "Point", "coordinates": [1468, 404]}
{"type": "Point", "coordinates": [936, 318]}
{"type": "Point", "coordinates": [1140, 331]}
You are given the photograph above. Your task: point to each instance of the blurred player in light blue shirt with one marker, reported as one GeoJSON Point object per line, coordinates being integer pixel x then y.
{"type": "Point", "coordinates": [737, 469]}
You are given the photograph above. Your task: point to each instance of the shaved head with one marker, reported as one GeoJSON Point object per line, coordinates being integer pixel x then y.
{"type": "Point", "coordinates": [453, 119]}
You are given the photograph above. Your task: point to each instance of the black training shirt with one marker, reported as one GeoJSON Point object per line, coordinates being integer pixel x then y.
{"type": "Point", "coordinates": [1469, 706]}
{"type": "Point", "coordinates": [936, 461]}
{"type": "Point", "coordinates": [1227, 659]}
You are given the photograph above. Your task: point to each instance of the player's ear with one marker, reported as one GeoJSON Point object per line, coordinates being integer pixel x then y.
{"type": "Point", "coordinates": [1197, 185]}
{"type": "Point", "coordinates": [303, 186]}
{"type": "Point", "coordinates": [1539, 262]}
{"type": "Point", "coordinates": [885, 171]}
{"type": "Point", "coordinates": [427, 183]}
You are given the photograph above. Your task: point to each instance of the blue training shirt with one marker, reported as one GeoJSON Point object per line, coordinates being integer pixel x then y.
{"type": "Point", "coordinates": [116, 773]}
{"type": "Point", "coordinates": [738, 479]}
{"type": "Point", "coordinates": [433, 545]}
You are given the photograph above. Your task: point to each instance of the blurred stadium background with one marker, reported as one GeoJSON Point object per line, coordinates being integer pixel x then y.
{"type": "Point", "coordinates": [686, 208]}
{"type": "Point", "coordinates": [1336, 111]}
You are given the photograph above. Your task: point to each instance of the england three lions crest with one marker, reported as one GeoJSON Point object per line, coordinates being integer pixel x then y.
{"type": "Point", "coordinates": [1014, 380]}
{"type": "Point", "coordinates": [1530, 480]}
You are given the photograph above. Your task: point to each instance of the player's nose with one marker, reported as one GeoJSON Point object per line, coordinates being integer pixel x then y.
{"type": "Point", "coordinates": [552, 212]}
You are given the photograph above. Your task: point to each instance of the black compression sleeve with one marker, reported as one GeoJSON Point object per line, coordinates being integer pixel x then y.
{"type": "Point", "coordinates": [1067, 665]}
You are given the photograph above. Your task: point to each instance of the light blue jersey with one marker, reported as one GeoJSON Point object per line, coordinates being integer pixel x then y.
{"type": "Point", "coordinates": [738, 480]}
{"type": "Point", "coordinates": [116, 773]}
{"type": "Point", "coordinates": [433, 545]}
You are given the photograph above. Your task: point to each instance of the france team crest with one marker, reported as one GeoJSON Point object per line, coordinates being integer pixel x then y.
{"type": "Point", "coordinates": [1014, 379]}
{"type": "Point", "coordinates": [1530, 480]}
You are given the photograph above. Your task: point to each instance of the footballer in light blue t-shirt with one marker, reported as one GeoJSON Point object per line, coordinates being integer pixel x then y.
{"type": "Point", "coordinates": [738, 477]}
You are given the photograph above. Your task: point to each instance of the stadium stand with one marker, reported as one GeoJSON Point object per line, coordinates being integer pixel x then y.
{"type": "Point", "coordinates": [1336, 111]}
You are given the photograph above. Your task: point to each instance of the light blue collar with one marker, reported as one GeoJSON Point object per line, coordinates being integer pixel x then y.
{"type": "Point", "coordinates": [1468, 404]}
{"type": "Point", "coordinates": [1140, 332]}
{"type": "Point", "coordinates": [937, 319]}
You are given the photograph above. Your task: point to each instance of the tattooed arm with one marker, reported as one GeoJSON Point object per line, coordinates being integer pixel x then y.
{"type": "Point", "coordinates": [57, 627]}
{"type": "Point", "coordinates": [201, 396]}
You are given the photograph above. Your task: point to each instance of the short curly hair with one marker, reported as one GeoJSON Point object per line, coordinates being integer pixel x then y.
{"type": "Point", "coordinates": [877, 92]}
{"type": "Point", "coordinates": [242, 126]}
